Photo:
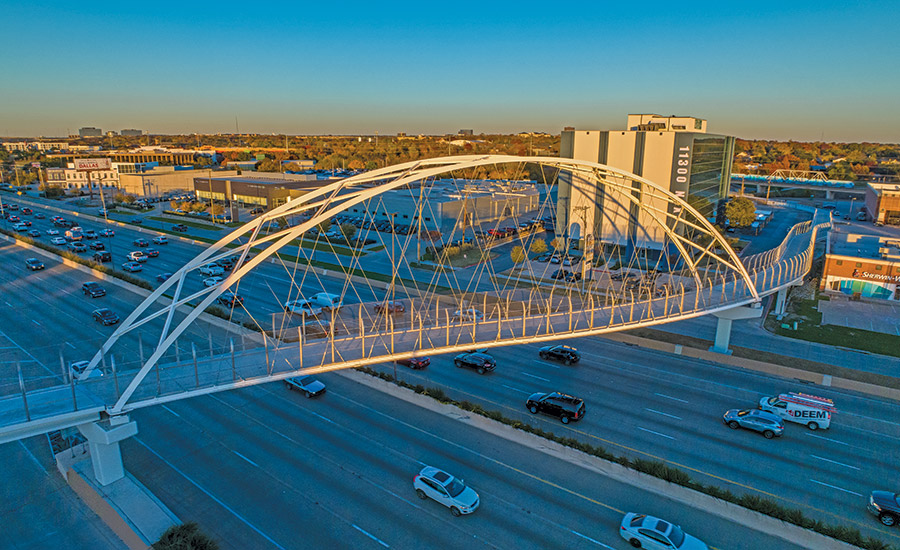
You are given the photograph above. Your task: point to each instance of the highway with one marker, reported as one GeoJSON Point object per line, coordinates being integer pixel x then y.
{"type": "Point", "coordinates": [647, 404]}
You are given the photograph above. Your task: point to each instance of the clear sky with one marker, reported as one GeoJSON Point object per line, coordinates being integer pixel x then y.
{"type": "Point", "coordinates": [813, 70]}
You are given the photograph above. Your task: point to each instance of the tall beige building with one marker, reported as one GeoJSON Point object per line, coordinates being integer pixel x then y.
{"type": "Point", "coordinates": [674, 152]}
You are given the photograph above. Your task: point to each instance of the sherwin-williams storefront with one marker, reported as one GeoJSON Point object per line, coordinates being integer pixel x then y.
{"type": "Point", "coordinates": [863, 277]}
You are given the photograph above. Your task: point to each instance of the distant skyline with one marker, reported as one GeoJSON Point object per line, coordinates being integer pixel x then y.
{"type": "Point", "coordinates": [807, 72]}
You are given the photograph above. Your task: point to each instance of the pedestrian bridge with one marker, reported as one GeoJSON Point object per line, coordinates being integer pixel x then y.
{"type": "Point", "coordinates": [464, 281]}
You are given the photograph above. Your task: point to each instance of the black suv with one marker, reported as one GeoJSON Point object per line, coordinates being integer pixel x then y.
{"type": "Point", "coordinates": [565, 407]}
{"type": "Point", "coordinates": [93, 289]}
{"type": "Point", "coordinates": [480, 362]}
{"type": "Point", "coordinates": [566, 354]}
{"type": "Point", "coordinates": [105, 316]}
{"type": "Point", "coordinates": [179, 227]}
{"type": "Point", "coordinates": [102, 257]}
{"type": "Point", "coordinates": [885, 505]}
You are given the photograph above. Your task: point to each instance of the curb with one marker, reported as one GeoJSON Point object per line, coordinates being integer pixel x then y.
{"type": "Point", "coordinates": [706, 503]}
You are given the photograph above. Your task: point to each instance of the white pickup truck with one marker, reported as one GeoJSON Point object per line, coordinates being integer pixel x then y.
{"type": "Point", "coordinates": [212, 270]}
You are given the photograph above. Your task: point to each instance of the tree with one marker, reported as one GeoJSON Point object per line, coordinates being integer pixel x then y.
{"type": "Point", "coordinates": [174, 205]}
{"type": "Point", "coordinates": [268, 165]}
{"type": "Point", "coordinates": [558, 243]}
{"type": "Point", "coordinates": [129, 199]}
{"type": "Point", "coordinates": [193, 206]}
{"type": "Point", "coordinates": [324, 226]}
{"type": "Point", "coordinates": [216, 209]}
{"type": "Point", "coordinates": [538, 246]}
{"type": "Point", "coordinates": [517, 254]}
{"type": "Point", "coordinates": [348, 230]}
{"type": "Point", "coordinates": [186, 536]}
{"type": "Point", "coordinates": [740, 211]}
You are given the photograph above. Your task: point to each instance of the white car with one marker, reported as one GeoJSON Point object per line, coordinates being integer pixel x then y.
{"type": "Point", "coordinates": [212, 270]}
{"type": "Point", "coordinates": [300, 307]}
{"type": "Point", "coordinates": [58, 240]}
{"type": "Point", "coordinates": [446, 489]}
{"type": "Point", "coordinates": [132, 266]}
{"type": "Point", "coordinates": [137, 256]}
{"type": "Point", "coordinates": [307, 384]}
{"type": "Point", "coordinates": [52, 232]}
{"type": "Point", "coordinates": [327, 301]}
{"type": "Point", "coordinates": [644, 531]}
{"type": "Point", "coordinates": [76, 371]}
{"type": "Point", "coordinates": [470, 314]}
{"type": "Point", "coordinates": [212, 281]}
{"type": "Point", "coordinates": [160, 240]}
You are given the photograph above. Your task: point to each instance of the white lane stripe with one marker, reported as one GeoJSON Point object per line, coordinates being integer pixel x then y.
{"type": "Point", "coordinates": [320, 416]}
{"type": "Point", "coordinates": [662, 413]}
{"type": "Point", "coordinates": [597, 542]}
{"type": "Point", "coordinates": [171, 411]}
{"type": "Point", "coordinates": [245, 458]}
{"type": "Point", "coordinates": [672, 398]}
{"type": "Point", "coordinates": [370, 535]}
{"type": "Point", "coordinates": [515, 389]}
{"type": "Point", "coordinates": [835, 462]}
{"type": "Point", "coordinates": [548, 364]}
{"type": "Point", "coordinates": [70, 345]}
{"type": "Point", "coordinates": [833, 487]}
{"type": "Point", "coordinates": [656, 433]}
{"type": "Point", "coordinates": [538, 377]}
{"type": "Point", "coordinates": [35, 322]}
{"type": "Point", "coordinates": [210, 495]}
{"type": "Point", "coordinates": [828, 439]}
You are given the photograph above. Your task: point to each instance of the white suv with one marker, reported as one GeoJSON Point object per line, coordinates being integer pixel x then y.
{"type": "Point", "coordinates": [446, 489]}
{"type": "Point", "coordinates": [212, 270]}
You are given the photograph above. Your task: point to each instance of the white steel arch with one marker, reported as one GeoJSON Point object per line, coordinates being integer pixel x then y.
{"type": "Point", "coordinates": [332, 199]}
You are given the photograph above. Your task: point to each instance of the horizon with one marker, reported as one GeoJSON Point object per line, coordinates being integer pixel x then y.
{"type": "Point", "coordinates": [808, 72]}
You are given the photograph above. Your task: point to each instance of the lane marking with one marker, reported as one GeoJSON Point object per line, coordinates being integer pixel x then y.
{"type": "Point", "coordinates": [515, 389]}
{"type": "Point", "coordinates": [828, 439]}
{"type": "Point", "coordinates": [835, 462]}
{"type": "Point", "coordinates": [672, 398]}
{"type": "Point", "coordinates": [320, 416]}
{"type": "Point", "coordinates": [34, 458]}
{"type": "Point", "coordinates": [585, 537]}
{"type": "Point", "coordinates": [548, 364]}
{"type": "Point", "coordinates": [245, 458]}
{"type": "Point", "coordinates": [210, 495]}
{"type": "Point", "coordinates": [370, 535]}
{"type": "Point", "coordinates": [664, 414]}
{"type": "Point", "coordinates": [656, 433]}
{"type": "Point", "coordinates": [838, 488]}
{"type": "Point", "coordinates": [70, 345]}
{"type": "Point", "coordinates": [538, 377]}
{"type": "Point", "coordinates": [35, 322]}
{"type": "Point", "coordinates": [171, 411]}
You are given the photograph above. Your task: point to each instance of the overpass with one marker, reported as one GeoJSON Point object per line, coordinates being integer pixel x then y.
{"type": "Point", "coordinates": [492, 299]}
{"type": "Point", "coordinates": [797, 179]}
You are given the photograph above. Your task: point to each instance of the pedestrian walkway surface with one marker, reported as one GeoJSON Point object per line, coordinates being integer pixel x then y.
{"type": "Point", "coordinates": [884, 318]}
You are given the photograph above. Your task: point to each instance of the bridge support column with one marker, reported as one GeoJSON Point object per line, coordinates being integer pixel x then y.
{"type": "Point", "coordinates": [781, 302]}
{"type": "Point", "coordinates": [829, 194]}
{"type": "Point", "coordinates": [723, 327]}
{"type": "Point", "coordinates": [103, 439]}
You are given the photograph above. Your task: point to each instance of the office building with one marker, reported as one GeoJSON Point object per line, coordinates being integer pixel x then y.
{"type": "Point", "coordinates": [862, 265]}
{"type": "Point", "coordinates": [268, 192]}
{"type": "Point", "coordinates": [673, 152]}
{"type": "Point", "coordinates": [132, 132]}
{"type": "Point", "coordinates": [883, 203]}
{"type": "Point", "coordinates": [150, 180]}
{"type": "Point", "coordinates": [90, 131]}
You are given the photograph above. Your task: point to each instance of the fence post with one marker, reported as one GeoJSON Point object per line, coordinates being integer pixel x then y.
{"type": "Point", "coordinates": [112, 361]}
{"type": "Point", "coordinates": [233, 372]}
{"type": "Point", "coordinates": [24, 393]}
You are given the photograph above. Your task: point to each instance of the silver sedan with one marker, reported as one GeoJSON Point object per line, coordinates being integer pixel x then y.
{"type": "Point", "coordinates": [764, 422]}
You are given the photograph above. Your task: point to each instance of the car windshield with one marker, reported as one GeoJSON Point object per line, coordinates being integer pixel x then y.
{"type": "Point", "coordinates": [455, 487]}
{"type": "Point", "coordinates": [676, 536]}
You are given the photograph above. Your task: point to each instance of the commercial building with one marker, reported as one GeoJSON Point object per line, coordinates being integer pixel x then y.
{"type": "Point", "coordinates": [883, 203]}
{"type": "Point", "coordinates": [36, 145]}
{"type": "Point", "coordinates": [862, 265]}
{"type": "Point", "coordinates": [159, 156]}
{"type": "Point", "coordinates": [158, 181]}
{"type": "Point", "coordinates": [132, 132]}
{"type": "Point", "coordinates": [453, 205]}
{"type": "Point", "coordinates": [90, 131]}
{"type": "Point", "coordinates": [673, 152]}
{"type": "Point", "coordinates": [268, 192]}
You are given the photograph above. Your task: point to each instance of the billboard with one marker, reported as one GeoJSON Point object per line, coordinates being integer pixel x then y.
{"type": "Point", "coordinates": [87, 165]}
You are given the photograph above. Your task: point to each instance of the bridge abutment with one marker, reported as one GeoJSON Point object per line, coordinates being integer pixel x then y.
{"type": "Point", "coordinates": [103, 439]}
{"type": "Point", "coordinates": [725, 319]}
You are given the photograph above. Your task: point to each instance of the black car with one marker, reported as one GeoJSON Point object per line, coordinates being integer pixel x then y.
{"type": "Point", "coordinates": [141, 243]}
{"type": "Point", "coordinates": [885, 505]}
{"type": "Point", "coordinates": [97, 245]}
{"type": "Point", "coordinates": [179, 227]}
{"type": "Point", "coordinates": [102, 257]}
{"type": "Point", "coordinates": [230, 299]}
{"type": "Point", "coordinates": [105, 316]}
{"type": "Point", "coordinates": [34, 264]}
{"type": "Point", "coordinates": [480, 362]}
{"type": "Point", "coordinates": [92, 289]}
{"type": "Point", "coordinates": [415, 362]}
{"type": "Point", "coordinates": [566, 354]}
{"type": "Point", "coordinates": [226, 263]}
{"type": "Point", "coordinates": [162, 277]}
{"type": "Point", "coordinates": [563, 406]}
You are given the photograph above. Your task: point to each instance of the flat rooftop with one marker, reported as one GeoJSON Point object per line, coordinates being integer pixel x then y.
{"type": "Point", "coordinates": [862, 244]}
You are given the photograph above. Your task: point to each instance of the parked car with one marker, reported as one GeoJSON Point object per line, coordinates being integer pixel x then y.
{"type": "Point", "coordinates": [107, 233]}
{"type": "Point", "coordinates": [105, 316]}
{"type": "Point", "coordinates": [561, 405]}
{"type": "Point", "coordinates": [444, 488]}
{"type": "Point", "coordinates": [415, 363]}
{"type": "Point", "coordinates": [299, 307]}
{"type": "Point", "coordinates": [34, 264]}
{"type": "Point", "coordinates": [140, 242]}
{"type": "Point", "coordinates": [561, 352]}
{"type": "Point", "coordinates": [390, 306]}
{"type": "Point", "coordinates": [307, 384]}
{"type": "Point", "coordinates": [160, 240]}
{"type": "Point", "coordinates": [230, 299]}
{"type": "Point", "coordinates": [479, 362]}
{"type": "Point", "coordinates": [885, 505]}
{"type": "Point", "coordinates": [258, 210]}
{"type": "Point", "coordinates": [102, 257]}
{"type": "Point", "coordinates": [131, 266]}
{"type": "Point", "coordinates": [764, 422]}
{"type": "Point", "coordinates": [97, 245]}
{"type": "Point", "coordinates": [649, 532]}
{"type": "Point", "coordinates": [163, 277]}
{"type": "Point", "coordinates": [543, 258]}
{"type": "Point", "coordinates": [92, 289]}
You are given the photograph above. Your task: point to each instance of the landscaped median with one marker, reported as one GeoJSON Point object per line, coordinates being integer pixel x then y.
{"type": "Point", "coordinates": [813, 537]}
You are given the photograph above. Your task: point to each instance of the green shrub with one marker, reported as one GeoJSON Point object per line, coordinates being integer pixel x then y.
{"type": "Point", "coordinates": [186, 536]}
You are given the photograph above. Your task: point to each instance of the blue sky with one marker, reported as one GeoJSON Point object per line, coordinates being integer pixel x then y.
{"type": "Point", "coordinates": [754, 69]}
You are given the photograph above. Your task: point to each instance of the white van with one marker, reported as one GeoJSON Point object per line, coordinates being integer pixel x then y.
{"type": "Point", "coordinates": [812, 411]}
{"type": "Point", "coordinates": [327, 301]}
